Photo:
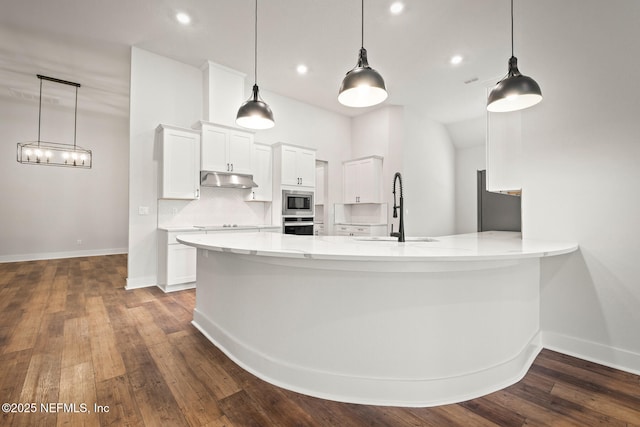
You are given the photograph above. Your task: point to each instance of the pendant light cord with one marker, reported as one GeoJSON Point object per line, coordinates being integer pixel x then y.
{"type": "Point", "coordinates": [255, 59]}
{"type": "Point", "coordinates": [362, 21]}
{"type": "Point", "coordinates": [75, 121]}
{"type": "Point", "coordinates": [40, 113]}
{"type": "Point", "coordinates": [511, 27]}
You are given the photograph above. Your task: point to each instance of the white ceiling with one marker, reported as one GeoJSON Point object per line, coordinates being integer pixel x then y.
{"type": "Point", "coordinates": [89, 40]}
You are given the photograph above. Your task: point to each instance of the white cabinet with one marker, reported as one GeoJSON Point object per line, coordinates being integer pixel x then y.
{"type": "Point", "coordinates": [262, 173]}
{"type": "Point", "coordinates": [362, 180]}
{"type": "Point", "coordinates": [296, 165]}
{"type": "Point", "coordinates": [360, 230]}
{"type": "Point", "coordinates": [225, 149]}
{"type": "Point", "coordinates": [179, 163]}
{"type": "Point", "coordinates": [320, 187]}
{"type": "Point", "coordinates": [176, 262]}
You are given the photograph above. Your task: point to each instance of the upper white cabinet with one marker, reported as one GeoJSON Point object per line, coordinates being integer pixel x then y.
{"type": "Point", "coordinates": [179, 175]}
{"type": "Point", "coordinates": [504, 151]}
{"type": "Point", "coordinates": [225, 149]}
{"type": "Point", "coordinates": [296, 166]}
{"type": "Point", "coordinates": [362, 180]}
{"type": "Point", "coordinates": [262, 173]}
{"type": "Point", "coordinates": [320, 187]}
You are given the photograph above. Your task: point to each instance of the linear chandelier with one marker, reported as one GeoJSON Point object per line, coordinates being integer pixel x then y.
{"type": "Point", "coordinates": [53, 153]}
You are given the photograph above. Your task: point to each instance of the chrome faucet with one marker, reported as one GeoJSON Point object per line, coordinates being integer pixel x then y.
{"type": "Point", "coordinates": [400, 233]}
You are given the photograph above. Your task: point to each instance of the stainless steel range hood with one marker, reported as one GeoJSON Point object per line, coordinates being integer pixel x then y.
{"type": "Point", "coordinates": [226, 180]}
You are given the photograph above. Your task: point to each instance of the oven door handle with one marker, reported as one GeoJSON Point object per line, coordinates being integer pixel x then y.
{"type": "Point", "coordinates": [298, 223]}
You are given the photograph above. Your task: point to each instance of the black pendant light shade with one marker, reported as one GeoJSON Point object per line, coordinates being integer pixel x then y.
{"type": "Point", "coordinates": [362, 86]}
{"type": "Point", "coordinates": [515, 91]}
{"type": "Point", "coordinates": [254, 113]}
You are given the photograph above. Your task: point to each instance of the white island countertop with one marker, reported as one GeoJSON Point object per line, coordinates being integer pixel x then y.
{"type": "Point", "coordinates": [491, 245]}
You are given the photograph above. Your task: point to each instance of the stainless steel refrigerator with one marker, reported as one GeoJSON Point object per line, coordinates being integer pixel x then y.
{"type": "Point", "coordinates": [497, 211]}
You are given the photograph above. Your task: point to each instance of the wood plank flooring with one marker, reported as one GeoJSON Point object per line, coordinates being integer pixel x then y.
{"type": "Point", "coordinates": [70, 333]}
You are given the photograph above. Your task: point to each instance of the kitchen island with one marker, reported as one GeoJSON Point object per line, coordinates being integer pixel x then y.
{"type": "Point", "coordinates": [370, 320]}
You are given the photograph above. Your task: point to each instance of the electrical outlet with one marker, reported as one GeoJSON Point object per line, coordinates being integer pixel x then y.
{"type": "Point", "coordinates": [143, 210]}
{"type": "Point", "coordinates": [174, 211]}
{"type": "Point", "coordinates": [79, 241]}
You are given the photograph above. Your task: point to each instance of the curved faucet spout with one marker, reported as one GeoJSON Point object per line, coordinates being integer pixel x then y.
{"type": "Point", "coordinates": [400, 234]}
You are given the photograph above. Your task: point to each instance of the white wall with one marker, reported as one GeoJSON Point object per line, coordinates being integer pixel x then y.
{"type": "Point", "coordinates": [469, 160]}
{"type": "Point", "coordinates": [162, 91]}
{"type": "Point", "coordinates": [468, 137]}
{"type": "Point", "coordinates": [46, 210]}
{"type": "Point", "coordinates": [429, 176]}
{"type": "Point", "coordinates": [582, 158]}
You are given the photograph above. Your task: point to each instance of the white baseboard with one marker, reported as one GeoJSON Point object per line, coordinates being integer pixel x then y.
{"type": "Point", "coordinates": [612, 357]}
{"type": "Point", "coordinates": [140, 282]}
{"type": "Point", "coordinates": [58, 255]}
{"type": "Point", "coordinates": [173, 288]}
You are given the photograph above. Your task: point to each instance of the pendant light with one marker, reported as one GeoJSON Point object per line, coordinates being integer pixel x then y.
{"type": "Point", "coordinates": [362, 86]}
{"type": "Point", "coordinates": [515, 91]}
{"type": "Point", "coordinates": [255, 113]}
{"type": "Point", "coordinates": [45, 153]}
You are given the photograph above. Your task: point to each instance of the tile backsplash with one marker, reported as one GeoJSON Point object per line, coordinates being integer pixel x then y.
{"type": "Point", "coordinates": [216, 206]}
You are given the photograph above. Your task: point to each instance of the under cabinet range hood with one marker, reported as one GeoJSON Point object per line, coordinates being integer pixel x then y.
{"type": "Point", "coordinates": [226, 180]}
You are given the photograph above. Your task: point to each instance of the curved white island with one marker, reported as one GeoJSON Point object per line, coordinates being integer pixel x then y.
{"type": "Point", "coordinates": [374, 321]}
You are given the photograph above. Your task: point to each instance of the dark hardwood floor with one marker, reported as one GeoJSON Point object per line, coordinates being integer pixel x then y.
{"type": "Point", "coordinates": [71, 334]}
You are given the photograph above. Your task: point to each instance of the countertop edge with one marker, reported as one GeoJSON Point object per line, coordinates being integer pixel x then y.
{"type": "Point", "coordinates": [339, 250]}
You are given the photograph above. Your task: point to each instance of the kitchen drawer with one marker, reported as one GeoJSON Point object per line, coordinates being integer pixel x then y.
{"type": "Point", "coordinates": [361, 230]}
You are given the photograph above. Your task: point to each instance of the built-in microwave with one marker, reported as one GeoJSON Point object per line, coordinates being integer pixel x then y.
{"type": "Point", "coordinates": [297, 203]}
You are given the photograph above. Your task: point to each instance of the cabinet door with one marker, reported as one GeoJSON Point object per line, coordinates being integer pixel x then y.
{"type": "Point", "coordinates": [215, 156]}
{"type": "Point", "coordinates": [369, 181]}
{"type": "Point", "coordinates": [180, 178]}
{"type": "Point", "coordinates": [240, 145]}
{"type": "Point", "coordinates": [306, 165]}
{"type": "Point", "coordinates": [319, 199]}
{"type": "Point", "coordinates": [262, 174]}
{"type": "Point", "coordinates": [181, 264]}
{"type": "Point", "coordinates": [289, 166]}
{"type": "Point", "coordinates": [350, 182]}
{"type": "Point", "coordinates": [362, 181]}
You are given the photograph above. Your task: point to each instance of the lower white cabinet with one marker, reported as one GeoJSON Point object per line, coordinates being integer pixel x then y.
{"type": "Point", "coordinates": [360, 230]}
{"type": "Point", "coordinates": [177, 262]}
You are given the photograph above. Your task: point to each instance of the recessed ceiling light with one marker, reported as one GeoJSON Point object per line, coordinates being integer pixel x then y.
{"type": "Point", "coordinates": [183, 18]}
{"type": "Point", "coordinates": [302, 69]}
{"type": "Point", "coordinates": [456, 59]}
{"type": "Point", "coordinates": [396, 7]}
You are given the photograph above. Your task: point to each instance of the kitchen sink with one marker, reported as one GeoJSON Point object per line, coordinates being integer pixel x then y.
{"type": "Point", "coordinates": [394, 239]}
